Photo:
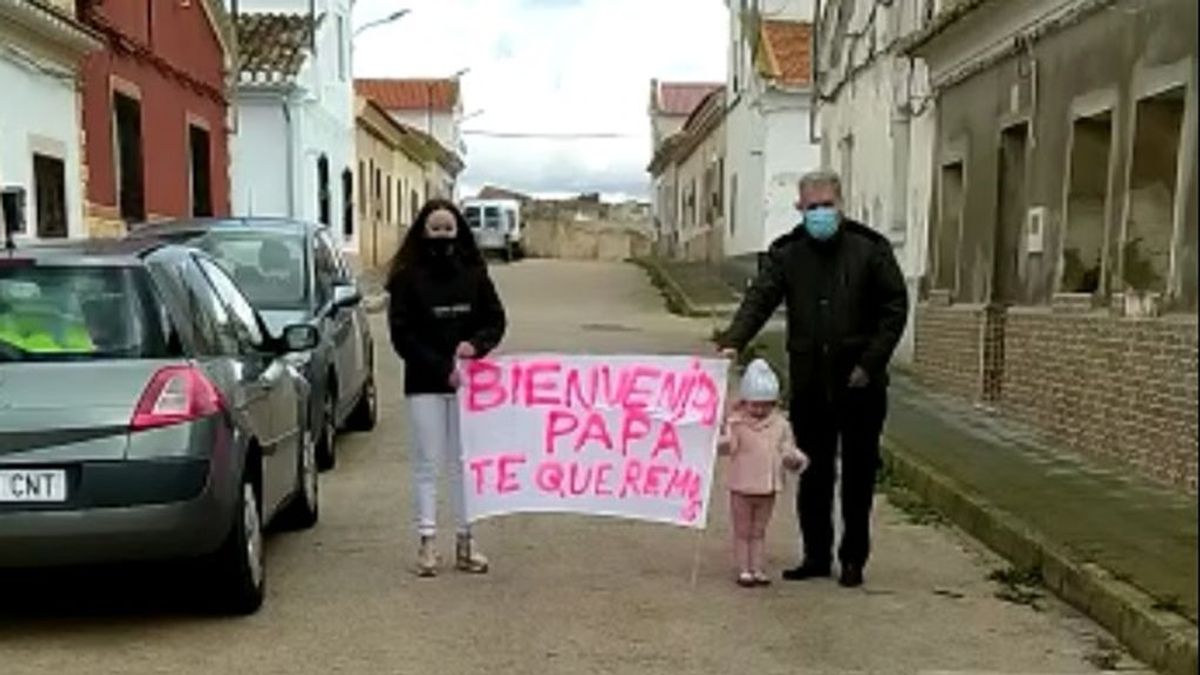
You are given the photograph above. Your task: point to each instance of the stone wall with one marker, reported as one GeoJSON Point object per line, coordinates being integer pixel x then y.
{"type": "Point", "coordinates": [584, 240]}
{"type": "Point", "coordinates": [948, 351]}
{"type": "Point", "coordinates": [1122, 389]}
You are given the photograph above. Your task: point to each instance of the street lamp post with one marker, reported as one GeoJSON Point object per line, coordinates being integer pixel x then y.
{"type": "Point", "coordinates": [394, 16]}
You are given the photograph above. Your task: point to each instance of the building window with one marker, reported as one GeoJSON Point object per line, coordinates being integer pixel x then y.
{"type": "Point", "coordinates": [1146, 248]}
{"type": "Point", "coordinates": [348, 201]}
{"type": "Point", "coordinates": [719, 195]}
{"type": "Point", "coordinates": [127, 130]}
{"type": "Point", "coordinates": [50, 187]}
{"type": "Point", "coordinates": [377, 195]}
{"type": "Point", "coordinates": [846, 171]}
{"type": "Point", "coordinates": [415, 200]}
{"type": "Point", "coordinates": [387, 186]}
{"type": "Point", "coordinates": [362, 189]}
{"type": "Point", "coordinates": [200, 171]}
{"type": "Point", "coordinates": [399, 202]}
{"type": "Point", "coordinates": [342, 47]}
{"type": "Point", "coordinates": [692, 203]}
{"type": "Point", "coordinates": [949, 226]}
{"type": "Point", "coordinates": [1087, 204]}
{"type": "Point", "coordinates": [1012, 212]}
{"type": "Point", "coordinates": [324, 205]}
{"type": "Point", "coordinates": [733, 204]}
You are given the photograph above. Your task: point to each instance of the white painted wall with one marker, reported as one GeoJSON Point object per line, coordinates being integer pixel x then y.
{"type": "Point", "coordinates": [888, 152]}
{"type": "Point", "coordinates": [321, 111]}
{"type": "Point", "coordinates": [745, 168]}
{"type": "Point", "coordinates": [260, 158]}
{"type": "Point", "coordinates": [46, 120]}
{"type": "Point", "coordinates": [767, 142]}
{"type": "Point", "coordinates": [790, 154]}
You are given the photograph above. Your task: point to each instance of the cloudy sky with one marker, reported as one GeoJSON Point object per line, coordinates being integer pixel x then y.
{"type": "Point", "coordinates": [550, 66]}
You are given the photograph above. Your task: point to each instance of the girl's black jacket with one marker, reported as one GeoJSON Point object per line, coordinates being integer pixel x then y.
{"type": "Point", "coordinates": [433, 306]}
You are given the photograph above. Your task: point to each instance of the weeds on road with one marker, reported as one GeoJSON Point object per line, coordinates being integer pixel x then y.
{"type": "Point", "coordinates": [1171, 604]}
{"type": "Point", "coordinates": [658, 279]}
{"type": "Point", "coordinates": [1019, 586]}
{"type": "Point", "coordinates": [1105, 655]}
{"type": "Point", "coordinates": [916, 511]}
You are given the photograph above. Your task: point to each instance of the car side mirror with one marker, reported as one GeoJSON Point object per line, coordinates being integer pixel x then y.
{"type": "Point", "coordinates": [300, 337]}
{"type": "Point", "coordinates": [346, 295]}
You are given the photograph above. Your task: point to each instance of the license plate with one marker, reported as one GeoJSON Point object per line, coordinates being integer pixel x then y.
{"type": "Point", "coordinates": [44, 486]}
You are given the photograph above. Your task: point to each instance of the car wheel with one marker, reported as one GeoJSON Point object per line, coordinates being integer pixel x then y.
{"type": "Point", "coordinates": [366, 412]}
{"type": "Point", "coordinates": [304, 510]}
{"type": "Point", "coordinates": [327, 433]}
{"type": "Point", "coordinates": [239, 565]}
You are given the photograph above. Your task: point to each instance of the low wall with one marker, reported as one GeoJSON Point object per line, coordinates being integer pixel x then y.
{"type": "Point", "coordinates": [1122, 389]}
{"type": "Point", "coordinates": [585, 240]}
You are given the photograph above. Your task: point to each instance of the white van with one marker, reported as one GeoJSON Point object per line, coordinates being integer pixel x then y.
{"type": "Point", "coordinates": [496, 224]}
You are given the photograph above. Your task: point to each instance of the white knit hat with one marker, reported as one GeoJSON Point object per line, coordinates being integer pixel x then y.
{"type": "Point", "coordinates": [759, 383]}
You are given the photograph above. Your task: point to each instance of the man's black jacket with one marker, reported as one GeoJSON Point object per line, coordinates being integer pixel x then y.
{"type": "Point", "coordinates": [847, 306]}
{"type": "Point", "coordinates": [435, 305]}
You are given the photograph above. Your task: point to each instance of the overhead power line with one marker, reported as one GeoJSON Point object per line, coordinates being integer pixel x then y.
{"type": "Point", "coordinates": [548, 135]}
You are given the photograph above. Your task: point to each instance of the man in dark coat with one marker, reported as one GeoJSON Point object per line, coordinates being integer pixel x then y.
{"type": "Point", "coordinates": [847, 306]}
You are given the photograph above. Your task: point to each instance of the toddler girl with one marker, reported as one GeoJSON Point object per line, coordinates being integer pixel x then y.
{"type": "Point", "coordinates": [759, 442]}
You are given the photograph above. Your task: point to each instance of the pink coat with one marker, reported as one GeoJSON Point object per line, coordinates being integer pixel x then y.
{"type": "Point", "coordinates": [756, 450]}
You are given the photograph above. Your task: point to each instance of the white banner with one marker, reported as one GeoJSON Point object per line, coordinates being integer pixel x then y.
{"type": "Point", "coordinates": [627, 436]}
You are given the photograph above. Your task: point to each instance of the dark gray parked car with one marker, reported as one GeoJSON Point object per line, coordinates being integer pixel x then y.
{"type": "Point", "coordinates": [294, 273]}
{"type": "Point", "coordinates": [146, 414]}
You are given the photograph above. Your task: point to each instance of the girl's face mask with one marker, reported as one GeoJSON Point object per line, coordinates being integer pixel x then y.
{"type": "Point", "coordinates": [441, 231]}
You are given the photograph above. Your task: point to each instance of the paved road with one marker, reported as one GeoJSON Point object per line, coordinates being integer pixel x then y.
{"type": "Point", "coordinates": [567, 595]}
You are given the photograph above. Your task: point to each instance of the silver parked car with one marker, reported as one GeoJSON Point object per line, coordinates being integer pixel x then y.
{"type": "Point", "coordinates": [292, 272]}
{"type": "Point", "coordinates": [146, 413]}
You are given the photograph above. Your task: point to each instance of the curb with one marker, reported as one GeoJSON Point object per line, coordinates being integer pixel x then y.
{"type": "Point", "coordinates": [1162, 639]}
{"type": "Point", "coordinates": [678, 301]}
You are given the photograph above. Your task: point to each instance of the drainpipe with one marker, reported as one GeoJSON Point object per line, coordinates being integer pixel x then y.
{"type": "Point", "coordinates": [813, 137]}
{"type": "Point", "coordinates": [289, 125]}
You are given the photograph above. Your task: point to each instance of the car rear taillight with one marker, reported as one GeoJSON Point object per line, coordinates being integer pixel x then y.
{"type": "Point", "coordinates": [176, 394]}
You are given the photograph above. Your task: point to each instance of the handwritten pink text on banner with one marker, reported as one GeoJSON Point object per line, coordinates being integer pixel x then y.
{"type": "Point", "coordinates": [622, 436]}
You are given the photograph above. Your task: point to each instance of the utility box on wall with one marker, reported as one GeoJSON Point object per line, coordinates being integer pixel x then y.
{"type": "Point", "coordinates": [1035, 230]}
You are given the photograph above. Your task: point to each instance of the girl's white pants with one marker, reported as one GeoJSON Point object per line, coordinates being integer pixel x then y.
{"type": "Point", "coordinates": [433, 424]}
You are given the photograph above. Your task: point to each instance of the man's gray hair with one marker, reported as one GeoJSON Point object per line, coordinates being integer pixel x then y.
{"type": "Point", "coordinates": [821, 177]}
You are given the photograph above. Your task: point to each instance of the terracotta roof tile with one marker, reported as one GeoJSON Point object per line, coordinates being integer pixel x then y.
{"type": "Point", "coordinates": [787, 50]}
{"type": "Point", "coordinates": [272, 47]}
{"type": "Point", "coordinates": [419, 94]}
{"type": "Point", "coordinates": [681, 98]}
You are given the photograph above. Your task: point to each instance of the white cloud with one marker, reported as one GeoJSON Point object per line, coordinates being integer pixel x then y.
{"type": "Point", "coordinates": [551, 66]}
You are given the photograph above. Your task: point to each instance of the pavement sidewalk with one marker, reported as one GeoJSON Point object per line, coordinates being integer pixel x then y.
{"type": "Point", "coordinates": [1119, 547]}
{"type": "Point", "coordinates": [697, 289]}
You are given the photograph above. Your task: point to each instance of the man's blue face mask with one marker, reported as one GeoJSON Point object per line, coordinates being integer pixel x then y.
{"type": "Point", "coordinates": [821, 222]}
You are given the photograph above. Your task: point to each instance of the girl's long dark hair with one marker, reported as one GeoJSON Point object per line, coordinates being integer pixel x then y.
{"type": "Point", "coordinates": [413, 250]}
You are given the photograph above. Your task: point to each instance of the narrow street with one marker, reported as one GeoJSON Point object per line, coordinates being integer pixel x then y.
{"type": "Point", "coordinates": [566, 594]}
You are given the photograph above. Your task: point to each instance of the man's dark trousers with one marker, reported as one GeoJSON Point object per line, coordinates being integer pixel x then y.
{"type": "Point", "coordinates": [852, 419]}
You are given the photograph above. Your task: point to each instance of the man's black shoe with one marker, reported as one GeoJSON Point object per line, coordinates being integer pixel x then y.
{"type": "Point", "coordinates": [807, 571]}
{"type": "Point", "coordinates": [852, 576]}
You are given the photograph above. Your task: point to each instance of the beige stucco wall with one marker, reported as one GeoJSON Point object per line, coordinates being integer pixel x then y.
{"type": "Point", "coordinates": [383, 217]}
{"type": "Point", "coordinates": [700, 228]}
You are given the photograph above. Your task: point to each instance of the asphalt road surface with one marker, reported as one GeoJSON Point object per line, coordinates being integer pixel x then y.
{"type": "Point", "coordinates": [566, 594]}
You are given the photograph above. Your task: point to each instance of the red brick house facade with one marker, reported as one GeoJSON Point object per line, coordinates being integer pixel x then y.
{"type": "Point", "coordinates": [155, 111]}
